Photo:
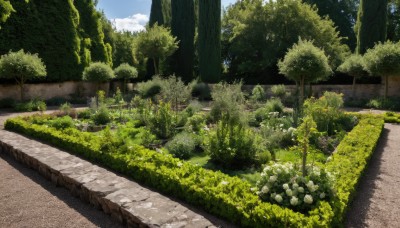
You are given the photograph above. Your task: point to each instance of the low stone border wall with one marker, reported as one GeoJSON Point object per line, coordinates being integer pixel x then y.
{"type": "Point", "coordinates": [124, 200]}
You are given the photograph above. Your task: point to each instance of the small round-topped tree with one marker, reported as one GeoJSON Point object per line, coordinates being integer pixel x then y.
{"type": "Point", "coordinates": [125, 72]}
{"type": "Point", "coordinates": [383, 60]}
{"type": "Point", "coordinates": [98, 72]}
{"type": "Point", "coordinates": [355, 67]}
{"type": "Point", "coordinates": [21, 66]}
{"type": "Point", "coordinates": [305, 63]}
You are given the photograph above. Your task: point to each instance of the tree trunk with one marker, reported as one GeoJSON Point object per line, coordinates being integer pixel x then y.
{"type": "Point", "coordinates": [304, 170]}
{"type": "Point", "coordinates": [156, 64]}
{"type": "Point", "coordinates": [301, 91]}
{"type": "Point", "coordinates": [386, 86]}
{"type": "Point", "coordinates": [21, 91]}
{"type": "Point", "coordinates": [353, 88]}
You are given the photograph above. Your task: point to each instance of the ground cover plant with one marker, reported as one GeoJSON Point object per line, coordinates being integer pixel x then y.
{"type": "Point", "coordinates": [256, 173]}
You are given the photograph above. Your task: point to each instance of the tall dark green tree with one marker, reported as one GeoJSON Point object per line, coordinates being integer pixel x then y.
{"type": "Point", "coordinates": [160, 13]}
{"type": "Point", "coordinates": [49, 28]}
{"type": "Point", "coordinates": [209, 40]}
{"type": "Point", "coordinates": [371, 24]}
{"type": "Point", "coordinates": [183, 27]}
{"type": "Point", "coordinates": [91, 30]}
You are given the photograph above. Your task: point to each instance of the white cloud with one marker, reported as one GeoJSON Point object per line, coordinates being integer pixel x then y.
{"type": "Point", "coordinates": [133, 23]}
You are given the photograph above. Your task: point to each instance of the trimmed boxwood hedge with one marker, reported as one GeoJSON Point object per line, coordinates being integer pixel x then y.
{"type": "Point", "coordinates": [218, 193]}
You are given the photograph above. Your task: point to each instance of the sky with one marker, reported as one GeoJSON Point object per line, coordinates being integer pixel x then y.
{"type": "Point", "coordinates": [131, 15]}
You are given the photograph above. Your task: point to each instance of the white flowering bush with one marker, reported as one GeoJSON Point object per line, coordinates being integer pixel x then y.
{"type": "Point", "coordinates": [284, 184]}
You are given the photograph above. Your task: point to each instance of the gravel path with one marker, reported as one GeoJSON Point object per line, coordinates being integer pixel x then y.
{"type": "Point", "coordinates": [29, 200]}
{"type": "Point", "coordinates": [377, 203]}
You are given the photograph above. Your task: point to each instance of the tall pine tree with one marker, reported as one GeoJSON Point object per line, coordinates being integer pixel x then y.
{"type": "Point", "coordinates": [209, 43]}
{"type": "Point", "coordinates": [371, 24]}
{"type": "Point", "coordinates": [183, 27]}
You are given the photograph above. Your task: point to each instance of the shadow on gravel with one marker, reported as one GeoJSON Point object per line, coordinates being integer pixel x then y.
{"type": "Point", "coordinates": [97, 217]}
{"type": "Point", "coordinates": [358, 210]}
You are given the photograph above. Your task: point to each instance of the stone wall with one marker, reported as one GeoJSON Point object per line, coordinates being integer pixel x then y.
{"type": "Point", "coordinates": [85, 89]}
{"type": "Point", "coordinates": [49, 90]}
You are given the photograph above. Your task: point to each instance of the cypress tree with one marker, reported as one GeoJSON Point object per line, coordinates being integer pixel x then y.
{"type": "Point", "coordinates": [183, 27]}
{"type": "Point", "coordinates": [209, 48]}
{"type": "Point", "coordinates": [91, 30]}
{"type": "Point", "coordinates": [371, 24]}
{"type": "Point", "coordinates": [49, 28]}
{"type": "Point", "coordinates": [160, 13]}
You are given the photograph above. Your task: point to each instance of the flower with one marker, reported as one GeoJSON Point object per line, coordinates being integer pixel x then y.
{"type": "Point", "coordinates": [300, 189]}
{"type": "Point", "coordinates": [289, 192]}
{"type": "Point", "coordinates": [308, 199]}
{"type": "Point", "coordinates": [295, 186]}
{"type": "Point", "coordinates": [285, 186]}
{"type": "Point", "coordinates": [224, 182]}
{"type": "Point", "coordinates": [272, 179]}
{"type": "Point", "coordinates": [322, 195]}
{"type": "Point", "coordinates": [310, 184]}
{"type": "Point", "coordinates": [314, 188]}
{"type": "Point", "coordinates": [265, 189]}
{"type": "Point", "coordinates": [278, 171]}
{"type": "Point", "coordinates": [294, 201]}
{"type": "Point", "coordinates": [278, 198]}
{"type": "Point", "coordinates": [179, 164]}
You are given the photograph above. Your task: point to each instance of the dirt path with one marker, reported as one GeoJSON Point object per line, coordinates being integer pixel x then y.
{"type": "Point", "coordinates": [377, 203]}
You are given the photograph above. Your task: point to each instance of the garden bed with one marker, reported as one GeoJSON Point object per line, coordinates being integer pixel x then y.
{"type": "Point", "coordinates": [220, 194]}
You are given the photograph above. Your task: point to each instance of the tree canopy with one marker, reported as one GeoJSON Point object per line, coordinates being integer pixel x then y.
{"type": "Point", "coordinates": [156, 43]}
{"type": "Point", "coordinates": [98, 72]}
{"type": "Point", "coordinates": [21, 66]}
{"type": "Point", "coordinates": [305, 63]}
{"type": "Point", "coordinates": [383, 60]}
{"type": "Point", "coordinates": [256, 34]}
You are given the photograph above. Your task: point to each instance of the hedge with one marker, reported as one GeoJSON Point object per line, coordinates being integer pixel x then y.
{"type": "Point", "coordinates": [218, 193]}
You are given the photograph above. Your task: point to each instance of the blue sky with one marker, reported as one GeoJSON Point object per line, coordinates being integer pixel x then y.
{"type": "Point", "coordinates": [131, 15]}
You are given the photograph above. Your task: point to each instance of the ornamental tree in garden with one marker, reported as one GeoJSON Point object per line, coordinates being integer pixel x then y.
{"type": "Point", "coordinates": [98, 72]}
{"type": "Point", "coordinates": [21, 66]}
{"type": "Point", "coordinates": [5, 10]}
{"type": "Point", "coordinates": [156, 43]}
{"type": "Point", "coordinates": [383, 60]}
{"type": "Point", "coordinates": [355, 67]}
{"type": "Point", "coordinates": [125, 72]}
{"type": "Point", "coordinates": [305, 63]}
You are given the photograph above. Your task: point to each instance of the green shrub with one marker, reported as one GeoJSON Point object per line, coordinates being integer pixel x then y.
{"type": "Point", "coordinates": [7, 103]}
{"type": "Point", "coordinates": [56, 101]}
{"type": "Point", "coordinates": [271, 108]}
{"type": "Point", "coordinates": [182, 146]}
{"type": "Point", "coordinates": [233, 145]}
{"type": "Point", "coordinates": [150, 88]}
{"type": "Point", "coordinates": [381, 103]}
{"type": "Point", "coordinates": [85, 114]}
{"type": "Point", "coordinates": [29, 106]}
{"type": "Point", "coordinates": [258, 94]}
{"type": "Point", "coordinates": [101, 116]}
{"type": "Point", "coordinates": [326, 112]}
{"type": "Point", "coordinates": [195, 123]}
{"type": "Point", "coordinates": [161, 123]}
{"type": "Point", "coordinates": [228, 100]}
{"type": "Point", "coordinates": [201, 91]}
{"type": "Point", "coordinates": [175, 92]}
{"type": "Point", "coordinates": [62, 123]}
{"type": "Point", "coordinates": [193, 108]}
{"type": "Point", "coordinates": [279, 91]}
{"type": "Point", "coordinates": [283, 184]}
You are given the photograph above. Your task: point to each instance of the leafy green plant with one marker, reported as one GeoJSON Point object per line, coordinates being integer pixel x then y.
{"type": "Point", "coordinates": [29, 106]}
{"type": "Point", "coordinates": [228, 101]}
{"type": "Point", "coordinates": [303, 134]}
{"type": "Point", "coordinates": [98, 72]}
{"type": "Point", "coordinates": [65, 108]}
{"type": "Point", "coordinates": [101, 116]}
{"type": "Point", "coordinates": [355, 67]}
{"type": "Point", "coordinates": [161, 123]}
{"type": "Point", "coordinates": [150, 88]}
{"type": "Point", "coordinates": [271, 108]}
{"type": "Point", "coordinates": [174, 91]}
{"type": "Point", "coordinates": [21, 66]}
{"type": "Point", "coordinates": [183, 145]}
{"type": "Point", "coordinates": [279, 91]}
{"type": "Point", "coordinates": [195, 123]}
{"type": "Point", "coordinates": [62, 123]}
{"type": "Point", "coordinates": [258, 94]}
{"type": "Point", "coordinates": [233, 145]}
